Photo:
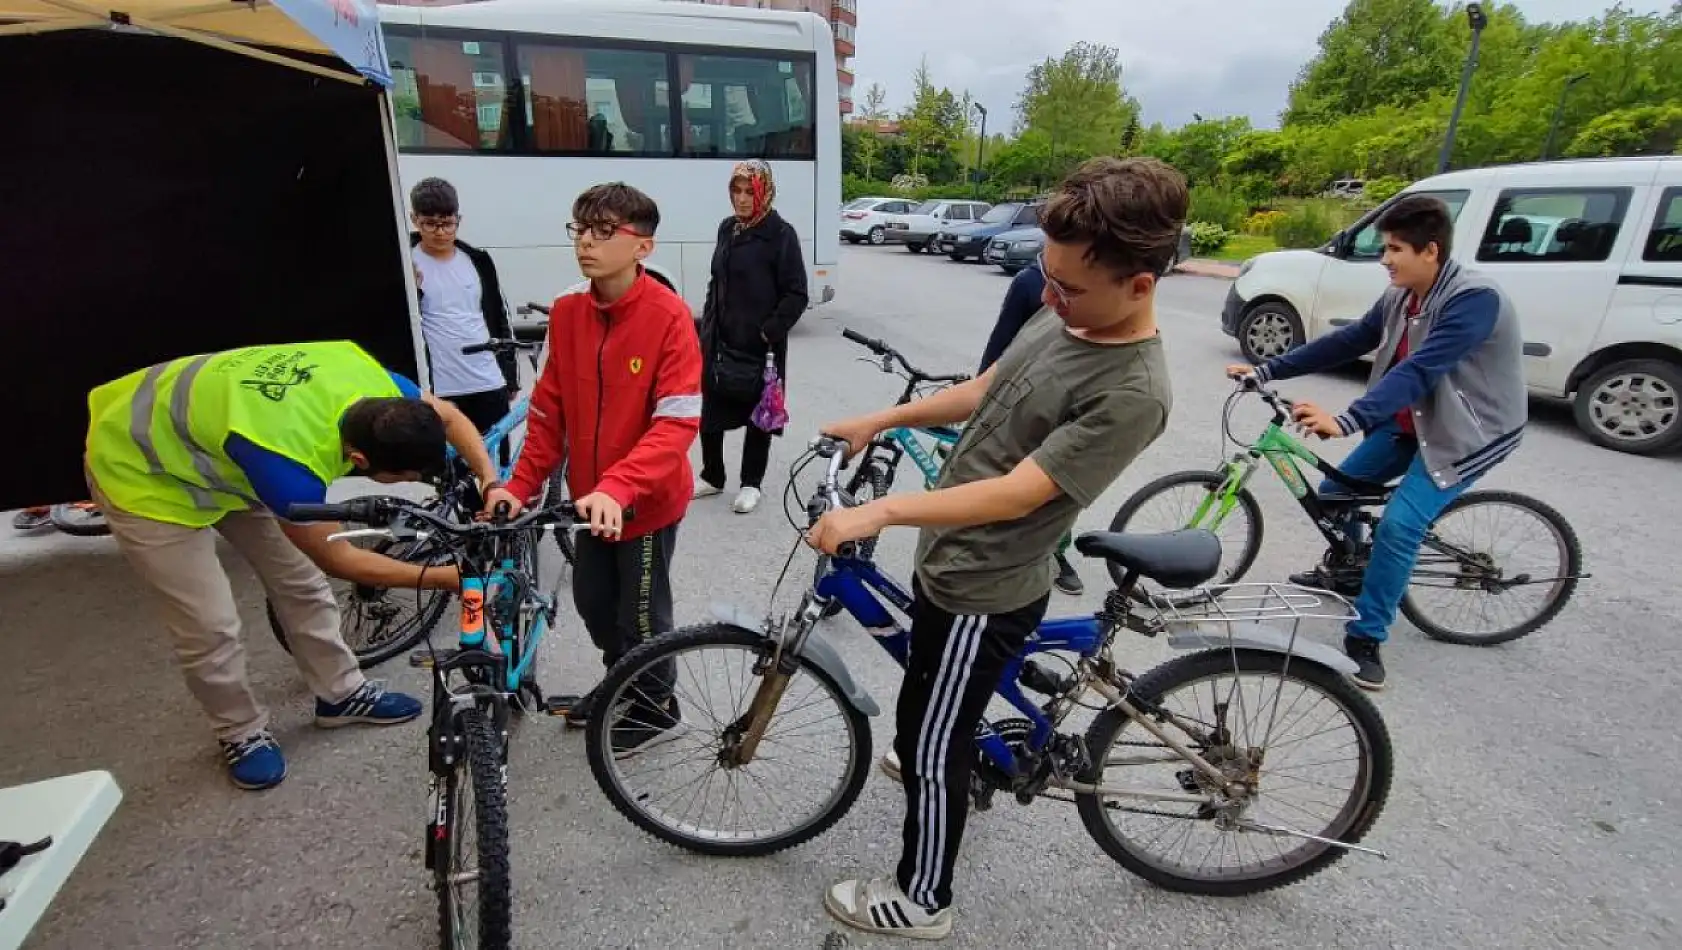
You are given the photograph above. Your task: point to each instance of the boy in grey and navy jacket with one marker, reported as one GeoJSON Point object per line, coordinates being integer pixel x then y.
{"type": "Point", "coordinates": [1446, 402]}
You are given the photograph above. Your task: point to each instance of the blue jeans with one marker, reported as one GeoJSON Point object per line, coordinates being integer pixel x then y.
{"type": "Point", "coordinates": [1385, 454]}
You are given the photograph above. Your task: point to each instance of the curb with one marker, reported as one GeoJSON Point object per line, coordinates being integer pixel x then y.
{"type": "Point", "coordinates": [1203, 267]}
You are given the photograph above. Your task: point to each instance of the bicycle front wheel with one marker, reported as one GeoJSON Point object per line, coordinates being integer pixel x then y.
{"type": "Point", "coordinates": [1192, 500]}
{"type": "Point", "coordinates": [1313, 751]}
{"type": "Point", "coordinates": [662, 761]}
{"type": "Point", "coordinates": [1495, 566]}
{"type": "Point", "coordinates": [472, 877]}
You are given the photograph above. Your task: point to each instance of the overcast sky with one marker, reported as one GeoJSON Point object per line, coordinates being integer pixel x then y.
{"type": "Point", "coordinates": [1213, 57]}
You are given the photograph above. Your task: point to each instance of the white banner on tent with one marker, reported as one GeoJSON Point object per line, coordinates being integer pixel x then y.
{"type": "Point", "coordinates": [351, 28]}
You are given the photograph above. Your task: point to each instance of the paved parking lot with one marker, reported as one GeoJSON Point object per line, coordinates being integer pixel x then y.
{"type": "Point", "coordinates": [1534, 806]}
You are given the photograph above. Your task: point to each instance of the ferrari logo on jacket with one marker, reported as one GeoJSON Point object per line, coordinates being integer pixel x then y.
{"type": "Point", "coordinates": [636, 365]}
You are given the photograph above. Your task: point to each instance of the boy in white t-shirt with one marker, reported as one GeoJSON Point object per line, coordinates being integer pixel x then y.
{"type": "Point", "coordinates": [461, 304]}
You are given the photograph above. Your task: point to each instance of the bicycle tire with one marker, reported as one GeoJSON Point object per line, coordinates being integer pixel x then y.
{"type": "Point", "coordinates": [435, 602]}
{"type": "Point", "coordinates": [1212, 481]}
{"type": "Point", "coordinates": [1148, 689]}
{"type": "Point", "coordinates": [61, 518]}
{"type": "Point", "coordinates": [1562, 594]}
{"type": "Point", "coordinates": [598, 744]}
{"type": "Point", "coordinates": [481, 764]}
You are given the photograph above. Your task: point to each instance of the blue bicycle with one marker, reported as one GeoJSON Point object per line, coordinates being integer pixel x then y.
{"type": "Point", "coordinates": [490, 674]}
{"type": "Point", "coordinates": [378, 624]}
{"type": "Point", "coordinates": [1185, 775]}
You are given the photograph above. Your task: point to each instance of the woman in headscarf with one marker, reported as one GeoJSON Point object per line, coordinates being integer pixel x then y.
{"type": "Point", "coordinates": [756, 294]}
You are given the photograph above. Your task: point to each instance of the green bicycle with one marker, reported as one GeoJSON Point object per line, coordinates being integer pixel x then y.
{"type": "Point", "coordinates": [1500, 595]}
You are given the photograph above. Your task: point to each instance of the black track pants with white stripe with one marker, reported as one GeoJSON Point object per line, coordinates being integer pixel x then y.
{"type": "Point", "coordinates": [953, 669]}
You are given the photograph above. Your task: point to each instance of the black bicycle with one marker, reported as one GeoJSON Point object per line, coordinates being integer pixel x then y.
{"type": "Point", "coordinates": [378, 624]}
{"type": "Point", "coordinates": [476, 686]}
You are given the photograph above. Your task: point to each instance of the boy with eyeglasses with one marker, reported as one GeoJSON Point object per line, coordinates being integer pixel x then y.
{"type": "Point", "coordinates": [461, 304]}
{"type": "Point", "coordinates": [620, 401]}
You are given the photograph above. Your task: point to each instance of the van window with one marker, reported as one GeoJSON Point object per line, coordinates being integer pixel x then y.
{"type": "Point", "coordinates": [1664, 243]}
{"type": "Point", "coordinates": [1553, 224]}
{"type": "Point", "coordinates": [1368, 244]}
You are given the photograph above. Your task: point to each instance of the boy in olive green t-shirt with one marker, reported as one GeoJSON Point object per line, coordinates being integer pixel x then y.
{"type": "Point", "coordinates": [1075, 398]}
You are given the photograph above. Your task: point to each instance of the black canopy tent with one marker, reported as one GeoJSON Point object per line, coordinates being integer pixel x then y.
{"type": "Point", "coordinates": [165, 196]}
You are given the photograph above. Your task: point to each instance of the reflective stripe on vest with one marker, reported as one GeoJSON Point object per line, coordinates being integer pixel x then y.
{"type": "Point", "coordinates": [144, 402]}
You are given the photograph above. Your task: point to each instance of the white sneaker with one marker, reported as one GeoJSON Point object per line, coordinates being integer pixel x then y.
{"type": "Point", "coordinates": [746, 500]}
{"type": "Point", "coordinates": [879, 906]}
{"type": "Point", "coordinates": [890, 766]}
{"type": "Point", "coordinates": [706, 489]}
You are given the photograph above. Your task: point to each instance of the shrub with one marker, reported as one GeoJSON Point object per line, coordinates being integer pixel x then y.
{"type": "Point", "coordinates": [1380, 190]}
{"type": "Point", "coordinates": [1262, 223]}
{"type": "Point", "coordinates": [1213, 204]}
{"type": "Point", "coordinates": [1208, 238]}
{"type": "Point", "coordinates": [1307, 225]}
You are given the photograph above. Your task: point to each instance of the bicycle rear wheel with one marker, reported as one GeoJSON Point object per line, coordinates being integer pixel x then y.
{"type": "Point", "coordinates": [471, 870]}
{"type": "Point", "coordinates": [1191, 500]}
{"type": "Point", "coordinates": [809, 769]}
{"type": "Point", "coordinates": [380, 623]}
{"type": "Point", "coordinates": [1463, 591]}
{"type": "Point", "coordinates": [1303, 728]}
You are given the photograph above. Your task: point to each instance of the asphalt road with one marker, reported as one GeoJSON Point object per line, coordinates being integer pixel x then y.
{"type": "Point", "coordinates": [1534, 803]}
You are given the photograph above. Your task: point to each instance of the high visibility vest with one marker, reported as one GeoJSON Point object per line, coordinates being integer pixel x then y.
{"type": "Point", "coordinates": [156, 437]}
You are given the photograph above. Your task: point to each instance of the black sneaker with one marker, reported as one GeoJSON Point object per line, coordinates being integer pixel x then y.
{"type": "Point", "coordinates": [1365, 654]}
{"type": "Point", "coordinates": [642, 727]}
{"type": "Point", "coordinates": [1345, 581]}
{"type": "Point", "coordinates": [1068, 581]}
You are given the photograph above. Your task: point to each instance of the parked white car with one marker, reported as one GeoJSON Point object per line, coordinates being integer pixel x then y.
{"type": "Point", "coordinates": [1589, 251]}
{"type": "Point", "coordinates": [866, 219]}
{"type": "Point", "coordinates": [915, 228]}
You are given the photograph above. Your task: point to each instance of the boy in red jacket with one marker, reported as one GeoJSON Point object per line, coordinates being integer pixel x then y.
{"type": "Point", "coordinates": [620, 401]}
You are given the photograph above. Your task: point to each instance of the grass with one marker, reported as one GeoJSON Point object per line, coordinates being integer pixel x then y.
{"type": "Point", "coordinates": [1242, 247]}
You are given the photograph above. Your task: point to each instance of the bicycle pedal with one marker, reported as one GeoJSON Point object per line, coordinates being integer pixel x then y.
{"type": "Point", "coordinates": [423, 659]}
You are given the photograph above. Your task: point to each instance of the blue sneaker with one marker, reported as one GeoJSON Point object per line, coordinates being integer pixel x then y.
{"type": "Point", "coordinates": [255, 762]}
{"type": "Point", "coordinates": [370, 703]}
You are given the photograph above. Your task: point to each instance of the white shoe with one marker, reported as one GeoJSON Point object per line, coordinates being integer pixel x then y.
{"type": "Point", "coordinates": [879, 906]}
{"type": "Point", "coordinates": [890, 766]}
{"type": "Point", "coordinates": [706, 489]}
{"type": "Point", "coordinates": [746, 500]}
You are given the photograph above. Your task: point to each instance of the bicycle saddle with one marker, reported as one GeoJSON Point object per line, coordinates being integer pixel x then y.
{"type": "Point", "coordinates": [1181, 559]}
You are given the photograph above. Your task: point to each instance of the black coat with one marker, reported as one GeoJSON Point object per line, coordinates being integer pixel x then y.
{"type": "Point", "coordinates": [757, 293]}
{"type": "Point", "coordinates": [491, 306]}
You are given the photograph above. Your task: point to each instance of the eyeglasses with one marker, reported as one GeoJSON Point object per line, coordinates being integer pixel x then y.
{"type": "Point", "coordinates": [439, 226]}
{"type": "Point", "coordinates": [1050, 281]}
{"type": "Point", "coordinates": [601, 232]}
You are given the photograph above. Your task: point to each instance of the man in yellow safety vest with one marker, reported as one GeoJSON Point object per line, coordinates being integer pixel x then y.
{"type": "Point", "coordinates": [229, 441]}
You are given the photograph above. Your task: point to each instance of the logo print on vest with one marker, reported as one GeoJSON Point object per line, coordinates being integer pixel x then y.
{"type": "Point", "coordinates": [636, 365]}
{"type": "Point", "coordinates": [276, 375]}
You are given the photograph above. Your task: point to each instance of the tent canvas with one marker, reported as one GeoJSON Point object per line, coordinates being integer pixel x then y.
{"type": "Point", "coordinates": [171, 195]}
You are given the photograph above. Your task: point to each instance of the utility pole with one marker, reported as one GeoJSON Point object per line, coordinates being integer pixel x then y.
{"type": "Point", "coordinates": [980, 152]}
{"type": "Point", "coordinates": [1559, 110]}
{"type": "Point", "coordinates": [1474, 13]}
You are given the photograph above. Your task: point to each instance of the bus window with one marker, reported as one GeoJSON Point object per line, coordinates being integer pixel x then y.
{"type": "Point", "coordinates": [448, 92]}
{"type": "Point", "coordinates": [746, 107]}
{"type": "Point", "coordinates": [596, 101]}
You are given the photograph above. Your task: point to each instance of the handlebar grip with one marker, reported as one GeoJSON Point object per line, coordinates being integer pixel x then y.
{"type": "Point", "coordinates": [876, 346]}
{"type": "Point", "coordinates": [300, 512]}
{"type": "Point", "coordinates": [473, 348]}
{"type": "Point", "coordinates": [534, 308]}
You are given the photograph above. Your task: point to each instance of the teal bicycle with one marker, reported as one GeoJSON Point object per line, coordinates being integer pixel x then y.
{"type": "Point", "coordinates": [1468, 586]}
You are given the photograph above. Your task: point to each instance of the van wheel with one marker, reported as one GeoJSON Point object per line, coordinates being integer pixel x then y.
{"type": "Point", "coordinates": [1633, 406]}
{"type": "Point", "coordinates": [1268, 330]}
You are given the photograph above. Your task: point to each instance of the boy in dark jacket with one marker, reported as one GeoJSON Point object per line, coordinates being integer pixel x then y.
{"type": "Point", "coordinates": [461, 305]}
{"type": "Point", "coordinates": [620, 400]}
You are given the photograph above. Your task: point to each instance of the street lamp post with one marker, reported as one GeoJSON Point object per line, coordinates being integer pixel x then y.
{"type": "Point", "coordinates": [1559, 110]}
{"type": "Point", "coordinates": [980, 152]}
{"type": "Point", "coordinates": [1475, 14]}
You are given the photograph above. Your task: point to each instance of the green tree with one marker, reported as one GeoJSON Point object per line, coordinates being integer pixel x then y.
{"type": "Point", "coordinates": [1077, 101]}
{"type": "Point", "coordinates": [930, 125]}
{"type": "Point", "coordinates": [1378, 52]}
{"type": "Point", "coordinates": [870, 145]}
{"type": "Point", "coordinates": [1642, 130]}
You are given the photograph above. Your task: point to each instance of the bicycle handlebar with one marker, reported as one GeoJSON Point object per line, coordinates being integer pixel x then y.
{"type": "Point", "coordinates": [497, 346]}
{"type": "Point", "coordinates": [532, 308]}
{"type": "Point", "coordinates": [383, 511]}
{"type": "Point", "coordinates": [889, 354]}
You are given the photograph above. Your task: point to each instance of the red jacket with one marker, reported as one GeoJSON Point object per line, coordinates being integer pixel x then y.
{"type": "Point", "coordinates": [620, 398]}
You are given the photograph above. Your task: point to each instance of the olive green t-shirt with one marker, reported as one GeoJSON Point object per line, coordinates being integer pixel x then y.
{"type": "Point", "coordinates": [1083, 411]}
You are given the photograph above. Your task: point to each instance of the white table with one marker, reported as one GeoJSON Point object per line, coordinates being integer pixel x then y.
{"type": "Point", "coordinates": [72, 809]}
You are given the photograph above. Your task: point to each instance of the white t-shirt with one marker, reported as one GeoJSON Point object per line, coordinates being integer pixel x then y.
{"type": "Point", "coordinates": [450, 320]}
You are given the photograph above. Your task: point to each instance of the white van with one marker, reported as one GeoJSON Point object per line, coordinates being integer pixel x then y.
{"type": "Point", "coordinates": [1590, 251]}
